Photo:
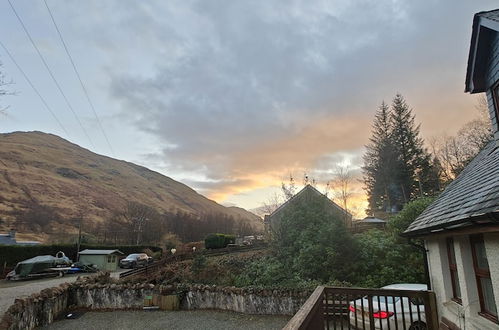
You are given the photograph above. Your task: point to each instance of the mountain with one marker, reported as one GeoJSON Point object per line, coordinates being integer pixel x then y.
{"type": "Point", "coordinates": [43, 169]}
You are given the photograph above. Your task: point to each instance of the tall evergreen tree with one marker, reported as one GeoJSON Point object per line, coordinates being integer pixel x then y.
{"type": "Point", "coordinates": [397, 168]}
{"type": "Point", "coordinates": [379, 162]}
{"type": "Point", "coordinates": [413, 175]}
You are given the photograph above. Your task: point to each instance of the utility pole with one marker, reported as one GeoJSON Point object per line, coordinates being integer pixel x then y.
{"type": "Point", "coordinates": [79, 238]}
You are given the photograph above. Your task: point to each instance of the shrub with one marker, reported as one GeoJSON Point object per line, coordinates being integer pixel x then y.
{"type": "Point", "coordinates": [198, 264]}
{"type": "Point", "coordinates": [218, 241]}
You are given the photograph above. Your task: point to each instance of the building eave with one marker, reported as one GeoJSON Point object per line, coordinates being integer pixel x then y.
{"type": "Point", "coordinates": [480, 221]}
{"type": "Point", "coordinates": [478, 41]}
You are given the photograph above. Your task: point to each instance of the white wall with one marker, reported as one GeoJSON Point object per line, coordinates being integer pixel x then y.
{"type": "Point", "coordinates": [464, 316]}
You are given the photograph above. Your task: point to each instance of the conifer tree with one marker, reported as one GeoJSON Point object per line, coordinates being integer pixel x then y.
{"type": "Point", "coordinates": [413, 172]}
{"type": "Point", "coordinates": [397, 168]}
{"type": "Point", "coordinates": [379, 162]}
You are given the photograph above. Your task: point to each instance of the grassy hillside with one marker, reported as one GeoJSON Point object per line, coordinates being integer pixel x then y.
{"type": "Point", "coordinates": [45, 169]}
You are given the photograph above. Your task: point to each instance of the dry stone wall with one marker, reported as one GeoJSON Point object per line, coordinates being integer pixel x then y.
{"type": "Point", "coordinates": [244, 300]}
{"type": "Point", "coordinates": [95, 294]}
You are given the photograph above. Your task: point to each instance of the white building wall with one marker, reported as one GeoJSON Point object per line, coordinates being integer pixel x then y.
{"type": "Point", "coordinates": [465, 315]}
{"type": "Point", "coordinates": [492, 248]}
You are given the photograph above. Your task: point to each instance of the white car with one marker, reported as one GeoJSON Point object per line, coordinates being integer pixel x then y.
{"type": "Point", "coordinates": [388, 313]}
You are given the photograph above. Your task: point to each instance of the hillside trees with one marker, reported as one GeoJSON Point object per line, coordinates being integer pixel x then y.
{"type": "Point", "coordinates": [140, 224]}
{"type": "Point", "coordinates": [397, 167]}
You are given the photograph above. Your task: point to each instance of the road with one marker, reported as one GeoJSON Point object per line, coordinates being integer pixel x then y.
{"type": "Point", "coordinates": [10, 290]}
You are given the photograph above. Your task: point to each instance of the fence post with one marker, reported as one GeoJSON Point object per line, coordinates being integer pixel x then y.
{"type": "Point", "coordinates": [371, 311]}
{"type": "Point", "coordinates": [430, 309]}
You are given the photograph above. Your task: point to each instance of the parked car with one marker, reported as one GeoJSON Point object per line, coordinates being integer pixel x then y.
{"type": "Point", "coordinates": [390, 312]}
{"type": "Point", "coordinates": [135, 260]}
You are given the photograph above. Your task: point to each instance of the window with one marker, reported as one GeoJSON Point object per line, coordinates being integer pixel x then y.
{"type": "Point", "coordinates": [454, 277]}
{"type": "Point", "coordinates": [109, 258]}
{"type": "Point", "coordinates": [495, 94]}
{"type": "Point", "coordinates": [482, 274]}
{"type": "Point", "coordinates": [114, 258]}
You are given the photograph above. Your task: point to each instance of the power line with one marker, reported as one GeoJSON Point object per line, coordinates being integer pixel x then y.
{"type": "Point", "coordinates": [79, 77]}
{"type": "Point", "coordinates": [50, 73]}
{"type": "Point", "coordinates": [34, 88]}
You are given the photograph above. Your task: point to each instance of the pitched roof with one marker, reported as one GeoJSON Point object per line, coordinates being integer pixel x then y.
{"type": "Point", "coordinates": [309, 188]}
{"type": "Point", "coordinates": [371, 220]}
{"type": "Point", "coordinates": [102, 252]}
{"type": "Point", "coordinates": [6, 239]}
{"type": "Point", "coordinates": [479, 48]}
{"type": "Point", "coordinates": [472, 196]}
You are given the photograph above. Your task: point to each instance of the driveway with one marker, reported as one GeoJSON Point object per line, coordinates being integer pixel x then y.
{"type": "Point", "coordinates": [10, 290]}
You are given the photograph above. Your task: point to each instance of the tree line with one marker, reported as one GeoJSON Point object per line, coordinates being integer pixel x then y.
{"type": "Point", "coordinates": [134, 224]}
{"type": "Point", "coordinates": [140, 224]}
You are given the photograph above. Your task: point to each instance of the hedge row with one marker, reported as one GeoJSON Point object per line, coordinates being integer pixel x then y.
{"type": "Point", "coordinates": [218, 241]}
{"type": "Point", "coordinates": [10, 255]}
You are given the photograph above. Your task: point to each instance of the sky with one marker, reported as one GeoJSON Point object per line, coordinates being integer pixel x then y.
{"type": "Point", "coordinates": [232, 97]}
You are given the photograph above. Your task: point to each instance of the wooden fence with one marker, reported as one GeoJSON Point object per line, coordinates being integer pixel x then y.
{"type": "Point", "coordinates": [356, 308]}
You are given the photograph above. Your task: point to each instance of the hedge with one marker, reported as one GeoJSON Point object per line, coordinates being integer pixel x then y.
{"type": "Point", "coordinates": [10, 255]}
{"type": "Point", "coordinates": [218, 241]}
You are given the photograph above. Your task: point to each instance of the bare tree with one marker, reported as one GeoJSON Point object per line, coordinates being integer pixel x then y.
{"type": "Point", "coordinates": [455, 152]}
{"type": "Point", "coordinates": [341, 184]}
{"type": "Point", "coordinates": [138, 215]}
{"type": "Point", "coordinates": [289, 190]}
{"type": "Point", "coordinates": [274, 201]}
{"type": "Point", "coordinates": [3, 91]}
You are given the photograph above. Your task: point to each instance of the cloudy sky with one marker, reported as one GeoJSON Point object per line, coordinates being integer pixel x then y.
{"type": "Point", "coordinates": [231, 97]}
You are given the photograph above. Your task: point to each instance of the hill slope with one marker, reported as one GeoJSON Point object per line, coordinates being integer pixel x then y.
{"type": "Point", "coordinates": [45, 169]}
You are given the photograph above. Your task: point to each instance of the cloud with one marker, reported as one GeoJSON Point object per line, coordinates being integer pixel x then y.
{"type": "Point", "coordinates": [240, 93]}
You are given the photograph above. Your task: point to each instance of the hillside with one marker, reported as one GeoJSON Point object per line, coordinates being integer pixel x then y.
{"type": "Point", "coordinates": [44, 169]}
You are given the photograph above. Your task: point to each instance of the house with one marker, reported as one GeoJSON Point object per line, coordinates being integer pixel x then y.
{"type": "Point", "coordinates": [103, 259]}
{"type": "Point", "coordinates": [368, 223]}
{"type": "Point", "coordinates": [308, 193]}
{"type": "Point", "coordinates": [10, 239]}
{"type": "Point", "coordinates": [461, 228]}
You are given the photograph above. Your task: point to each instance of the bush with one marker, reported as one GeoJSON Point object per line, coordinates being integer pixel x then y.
{"type": "Point", "coordinates": [218, 241]}
{"type": "Point", "coordinates": [385, 257]}
{"type": "Point", "coordinates": [314, 244]}
{"type": "Point", "coordinates": [198, 264]}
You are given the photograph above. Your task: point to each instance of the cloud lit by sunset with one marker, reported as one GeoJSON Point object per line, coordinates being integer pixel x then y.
{"type": "Point", "coordinates": [231, 99]}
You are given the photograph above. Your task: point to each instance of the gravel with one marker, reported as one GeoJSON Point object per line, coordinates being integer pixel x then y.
{"type": "Point", "coordinates": [199, 320]}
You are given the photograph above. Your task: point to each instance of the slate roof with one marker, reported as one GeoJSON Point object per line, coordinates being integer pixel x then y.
{"type": "Point", "coordinates": [492, 15]}
{"type": "Point", "coordinates": [473, 195]}
{"type": "Point", "coordinates": [310, 188]}
{"type": "Point", "coordinates": [101, 252]}
{"type": "Point", "coordinates": [490, 19]}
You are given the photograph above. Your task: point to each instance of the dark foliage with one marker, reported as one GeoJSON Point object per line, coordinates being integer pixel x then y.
{"type": "Point", "coordinates": [218, 241]}
{"type": "Point", "coordinates": [385, 257]}
{"type": "Point", "coordinates": [397, 167]}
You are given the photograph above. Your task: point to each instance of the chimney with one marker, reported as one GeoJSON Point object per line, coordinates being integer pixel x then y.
{"type": "Point", "coordinates": [12, 233]}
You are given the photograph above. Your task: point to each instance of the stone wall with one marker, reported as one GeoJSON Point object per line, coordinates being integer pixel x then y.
{"type": "Point", "coordinates": [98, 293]}
{"type": "Point", "coordinates": [37, 310]}
{"type": "Point", "coordinates": [110, 296]}
{"type": "Point", "coordinates": [42, 308]}
{"type": "Point", "coordinates": [244, 300]}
